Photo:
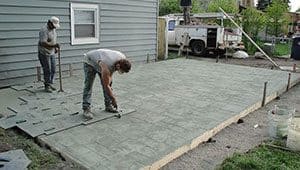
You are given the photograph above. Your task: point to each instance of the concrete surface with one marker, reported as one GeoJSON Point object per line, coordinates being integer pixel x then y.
{"type": "Point", "coordinates": [176, 101]}
{"type": "Point", "coordinates": [236, 138]}
{"type": "Point", "coordinates": [17, 160]}
{"type": "Point", "coordinates": [180, 103]}
{"type": "Point", "coordinates": [35, 112]}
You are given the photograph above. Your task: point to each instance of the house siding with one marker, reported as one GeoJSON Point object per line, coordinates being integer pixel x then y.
{"type": "Point", "coordinates": [126, 25]}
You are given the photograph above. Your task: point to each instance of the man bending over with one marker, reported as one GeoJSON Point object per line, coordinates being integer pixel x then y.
{"type": "Point", "coordinates": [103, 62]}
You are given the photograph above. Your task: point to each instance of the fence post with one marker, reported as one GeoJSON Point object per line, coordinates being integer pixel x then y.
{"type": "Point", "coordinates": [264, 94]}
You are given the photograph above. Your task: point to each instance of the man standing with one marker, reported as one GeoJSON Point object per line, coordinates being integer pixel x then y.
{"type": "Point", "coordinates": [103, 62]}
{"type": "Point", "coordinates": [47, 47]}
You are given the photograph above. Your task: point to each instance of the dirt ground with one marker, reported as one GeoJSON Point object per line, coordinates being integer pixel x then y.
{"type": "Point", "coordinates": [244, 135]}
{"type": "Point", "coordinates": [235, 138]}
{"type": "Point", "coordinates": [41, 157]}
{"type": "Point", "coordinates": [253, 62]}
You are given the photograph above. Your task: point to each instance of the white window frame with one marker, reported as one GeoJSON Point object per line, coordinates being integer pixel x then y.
{"type": "Point", "coordinates": [85, 7]}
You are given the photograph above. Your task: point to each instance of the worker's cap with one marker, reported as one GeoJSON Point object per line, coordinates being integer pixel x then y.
{"type": "Point", "coordinates": [55, 22]}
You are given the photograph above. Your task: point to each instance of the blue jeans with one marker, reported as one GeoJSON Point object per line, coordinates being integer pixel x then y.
{"type": "Point", "coordinates": [48, 65]}
{"type": "Point", "coordinates": [90, 74]}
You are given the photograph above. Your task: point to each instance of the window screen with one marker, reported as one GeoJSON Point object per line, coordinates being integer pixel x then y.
{"type": "Point", "coordinates": [84, 23]}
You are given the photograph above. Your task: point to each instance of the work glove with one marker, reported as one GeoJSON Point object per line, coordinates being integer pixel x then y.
{"type": "Point", "coordinates": [56, 45]}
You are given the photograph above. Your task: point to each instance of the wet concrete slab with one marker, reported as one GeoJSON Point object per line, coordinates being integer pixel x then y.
{"type": "Point", "coordinates": [179, 104]}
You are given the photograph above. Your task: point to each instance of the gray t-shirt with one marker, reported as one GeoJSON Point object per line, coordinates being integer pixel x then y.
{"type": "Point", "coordinates": [108, 57]}
{"type": "Point", "coordinates": [48, 36]}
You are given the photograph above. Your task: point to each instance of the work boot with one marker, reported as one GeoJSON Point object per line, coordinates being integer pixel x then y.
{"type": "Point", "coordinates": [52, 88]}
{"type": "Point", "coordinates": [88, 114]}
{"type": "Point", "coordinates": [47, 89]}
{"type": "Point", "coordinates": [111, 109]}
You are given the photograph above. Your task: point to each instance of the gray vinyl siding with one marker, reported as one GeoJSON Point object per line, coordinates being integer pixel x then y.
{"type": "Point", "coordinates": [126, 25]}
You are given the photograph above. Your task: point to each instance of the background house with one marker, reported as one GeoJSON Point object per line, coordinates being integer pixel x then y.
{"type": "Point", "coordinates": [126, 25]}
{"type": "Point", "coordinates": [294, 22]}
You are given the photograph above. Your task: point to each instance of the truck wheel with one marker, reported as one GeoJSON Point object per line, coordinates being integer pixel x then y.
{"type": "Point", "coordinates": [198, 47]}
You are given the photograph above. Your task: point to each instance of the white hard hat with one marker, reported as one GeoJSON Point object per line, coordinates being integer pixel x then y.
{"type": "Point", "coordinates": [55, 21]}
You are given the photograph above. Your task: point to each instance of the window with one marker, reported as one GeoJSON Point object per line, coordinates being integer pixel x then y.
{"type": "Point", "coordinates": [171, 25]}
{"type": "Point", "coordinates": [84, 24]}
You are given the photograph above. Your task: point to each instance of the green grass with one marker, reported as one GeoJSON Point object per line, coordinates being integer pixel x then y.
{"type": "Point", "coordinates": [250, 48]}
{"type": "Point", "coordinates": [41, 158]}
{"type": "Point", "coordinates": [263, 157]}
{"type": "Point", "coordinates": [282, 49]}
{"type": "Point", "coordinates": [173, 55]}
